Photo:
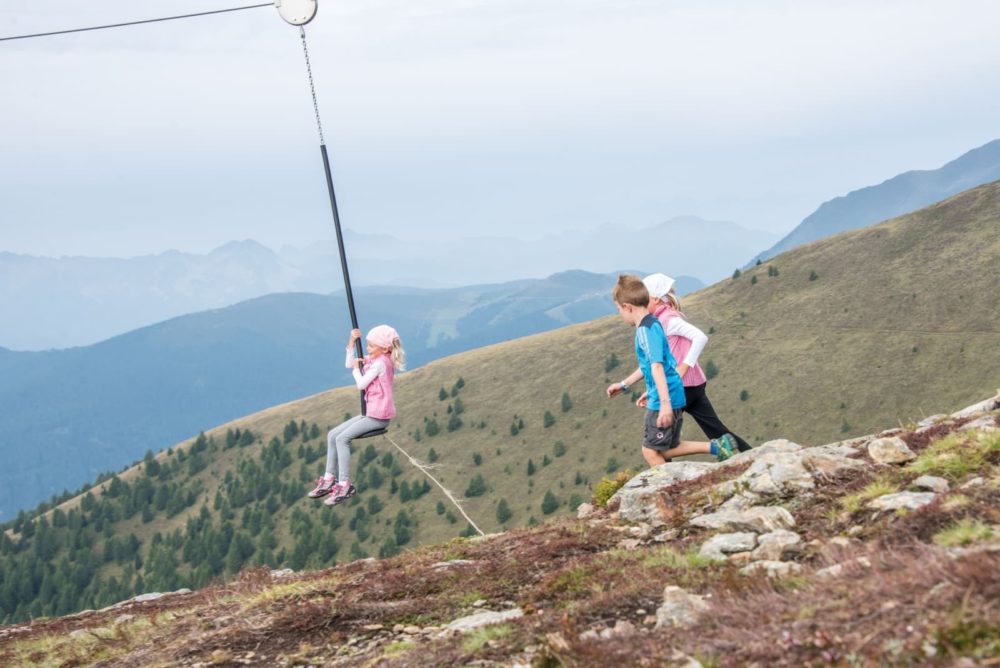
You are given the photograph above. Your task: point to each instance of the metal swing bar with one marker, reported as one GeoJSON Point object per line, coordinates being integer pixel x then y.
{"type": "Point", "coordinates": [301, 12]}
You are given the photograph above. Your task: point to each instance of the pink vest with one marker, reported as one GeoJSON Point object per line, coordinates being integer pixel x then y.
{"type": "Point", "coordinates": [679, 348]}
{"type": "Point", "coordinates": [378, 394]}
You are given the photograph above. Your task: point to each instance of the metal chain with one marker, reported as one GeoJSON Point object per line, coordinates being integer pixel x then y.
{"type": "Point", "coordinates": [312, 86]}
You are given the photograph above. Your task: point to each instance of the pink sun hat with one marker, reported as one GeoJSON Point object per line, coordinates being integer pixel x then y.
{"type": "Point", "coordinates": [382, 336]}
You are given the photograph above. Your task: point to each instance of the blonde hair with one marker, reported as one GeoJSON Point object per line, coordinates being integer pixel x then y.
{"type": "Point", "coordinates": [630, 290]}
{"type": "Point", "coordinates": [675, 303]}
{"type": "Point", "coordinates": [398, 355]}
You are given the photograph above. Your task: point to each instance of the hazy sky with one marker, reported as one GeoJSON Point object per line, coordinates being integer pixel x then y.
{"type": "Point", "coordinates": [473, 117]}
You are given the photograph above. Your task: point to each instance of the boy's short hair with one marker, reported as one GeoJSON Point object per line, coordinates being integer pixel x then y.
{"type": "Point", "coordinates": [630, 290]}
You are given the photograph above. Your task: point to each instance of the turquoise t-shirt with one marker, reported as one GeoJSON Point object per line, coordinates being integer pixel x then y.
{"type": "Point", "coordinates": [651, 346]}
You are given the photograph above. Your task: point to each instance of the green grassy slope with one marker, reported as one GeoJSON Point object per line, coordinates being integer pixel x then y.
{"type": "Point", "coordinates": [903, 316]}
{"type": "Point", "coordinates": [900, 317]}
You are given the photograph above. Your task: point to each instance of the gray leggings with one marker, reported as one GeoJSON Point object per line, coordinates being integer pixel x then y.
{"type": "Point", "coordinates": [338, 443]}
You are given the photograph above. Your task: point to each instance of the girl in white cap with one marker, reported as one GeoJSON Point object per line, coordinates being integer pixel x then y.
{"type": "Point", "coordinates": [385, 357]}
{"type": "Point", "coordinates": [686, 344]}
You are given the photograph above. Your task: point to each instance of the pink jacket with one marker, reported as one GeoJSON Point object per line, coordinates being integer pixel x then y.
{"type": "Point", "coordinates": [681, 345]}
{"type": "Point", "coordinates": [376, 381]}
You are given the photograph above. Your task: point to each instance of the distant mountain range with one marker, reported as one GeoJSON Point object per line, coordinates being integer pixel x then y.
{"type": "Point", "coordinates": [899, 195]}
{"type": "Point", "coordinates": [72, 301]}
{"type": "Point", "coordinates": [69, 414]}
{"type": "Point", "coordinates": [50, 303]}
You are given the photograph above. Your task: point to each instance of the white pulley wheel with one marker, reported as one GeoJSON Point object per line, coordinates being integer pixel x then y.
{"type": "Point", "coordinates": [296, 12]}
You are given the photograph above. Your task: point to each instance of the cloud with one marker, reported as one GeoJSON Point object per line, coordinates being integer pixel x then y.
{"type": "Point", "coordinates": [481, 112]}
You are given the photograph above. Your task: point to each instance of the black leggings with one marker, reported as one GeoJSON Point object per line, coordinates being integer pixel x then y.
{"type": "Point", "coordinates": [700, 408]}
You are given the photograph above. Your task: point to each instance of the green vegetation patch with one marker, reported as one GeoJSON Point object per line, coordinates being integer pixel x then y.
{"type": "Point", "coordinates": [668, 557]}
{"type": "Point", "coordinates": [397, 648]}
{"type": "Point", "coordinates": [607, 487]}
{"type": "Point", "coordinates": [963, 532]}
{"type": "Point", "coordinates": [288, 590]}
{"type": "Point", "coordinates": [971, 638]}
{"type": "Point", "coordinates": [479, 638]}
{"type": "Point", "coordinates": [957, 455]}
{"type": "Point", "coordinates": [94, 645]}
{"type": "Point", "coordinates": [884, 484]}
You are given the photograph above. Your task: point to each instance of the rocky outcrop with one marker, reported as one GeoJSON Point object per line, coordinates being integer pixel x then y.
{"type": "Point", "coordinates": [750, 524]}
{"type": "Point", "coordinates": [758, 519]}
{"type": "Point", "coordinates": [978, 408]}
{"type": "Point", "coordinates": [639, 499]}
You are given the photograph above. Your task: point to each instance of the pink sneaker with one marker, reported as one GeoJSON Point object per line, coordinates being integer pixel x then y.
{"type": "Point", "coordinates": [323, 487]}
{"type": "Point", "coordinates": [340, 492]}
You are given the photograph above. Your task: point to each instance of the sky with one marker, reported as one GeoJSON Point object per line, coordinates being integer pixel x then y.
{"type": "Point", "coordinates": [472, 117]}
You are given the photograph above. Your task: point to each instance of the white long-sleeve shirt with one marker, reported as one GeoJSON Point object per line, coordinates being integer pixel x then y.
{"type": "Point", "coordinates": [374, 370]}
{"type": "Point", "coordinates": [681, 327]}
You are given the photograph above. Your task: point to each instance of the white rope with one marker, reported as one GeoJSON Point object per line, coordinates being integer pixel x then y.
{"type": "Point", "coordinates": [443, 488]}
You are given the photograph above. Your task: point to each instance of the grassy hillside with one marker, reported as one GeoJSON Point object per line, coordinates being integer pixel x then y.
{"type": "Point", "coordinates": [836, 338]}
{"type": "Point", "coordinates": [71, 414]}
{"type": "Point", "coordinates": [844, 585]}
{"type": "Point", "coordinates": [900, 317]}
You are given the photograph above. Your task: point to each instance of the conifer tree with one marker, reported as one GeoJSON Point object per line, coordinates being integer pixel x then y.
{"type": "Point", "coordinates": [503, 511]}
{"type": "Point", "coordinates": [477, 486]}
{"type": "Point", "coordinates": [550, 503]}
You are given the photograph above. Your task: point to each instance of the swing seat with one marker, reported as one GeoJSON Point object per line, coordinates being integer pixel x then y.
{"type": "Point", "coordinates": [373, 432]}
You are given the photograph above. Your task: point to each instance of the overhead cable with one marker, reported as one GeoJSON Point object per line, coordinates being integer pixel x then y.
{"type": "Point", "coordinates": [135, 23]}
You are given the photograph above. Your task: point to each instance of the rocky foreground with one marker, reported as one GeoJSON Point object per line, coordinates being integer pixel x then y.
{"type": "Point", "coordinates": [882, 550]}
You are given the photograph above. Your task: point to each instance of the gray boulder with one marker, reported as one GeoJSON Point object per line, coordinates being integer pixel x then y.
{"type": "Point", "coordinates": [986, 406]}
{"type": "Point", "coordinates": [837, 570]}
{"type": "Point", "coordinates": [984, 423]}
{"type": "Point", "coordinates": [890, 450]}
{"type": "Point", "coordinates": [901, 500]}
{"type": "Point", "coordinates": [827, 462]}
{"type": "Point", "coordinates": [679, 608]}
{"type": "Point", "coordinates": [742, 501]}
{"type": "Point", "coordinates": [773, 569]}
{"type": "Point", "coordinates": [769, 448]}
{"type": "Point", "coordinates": [777, 474]}
{"type": "Point", "coordinates": [719, 545]}
{"type": "Point", "coordinates": [931, 420]}
{"type": "Point", "coordinates": [759, 519]}
{"type": "Point", "coordinates": [639, 499]}
{"type": "Point", "coordinates": [463, 624]}
{"type": "Point", "coordinates": [777, 546]}
{"type": "Point", "coordinates": [932, 483]}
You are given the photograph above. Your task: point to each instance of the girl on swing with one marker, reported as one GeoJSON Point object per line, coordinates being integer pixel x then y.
{"type": "Point", "coordinates": [385, 357]}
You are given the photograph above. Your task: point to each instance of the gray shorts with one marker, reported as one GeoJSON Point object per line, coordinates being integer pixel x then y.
{"type": "Point", "coordinates": [661, 438]}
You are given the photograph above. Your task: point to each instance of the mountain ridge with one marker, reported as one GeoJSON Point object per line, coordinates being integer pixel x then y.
{"type": "Point", "coordinates": [893, 197]}
{"type": "Point", "coordinates": [54, 303]}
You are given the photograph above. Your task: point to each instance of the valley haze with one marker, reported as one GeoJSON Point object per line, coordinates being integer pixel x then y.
{"type": "Point", "coordinates": [73, 301]}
